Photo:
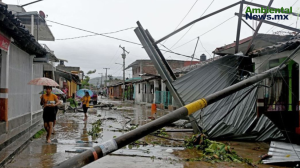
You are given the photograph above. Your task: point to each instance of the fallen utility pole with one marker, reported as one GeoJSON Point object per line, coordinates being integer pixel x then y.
{"type": "Point", "coordinates": [114, 144]}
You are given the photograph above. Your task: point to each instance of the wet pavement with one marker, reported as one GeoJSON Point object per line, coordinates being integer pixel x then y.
{"type": "Point", "coordinates": [72, 136]}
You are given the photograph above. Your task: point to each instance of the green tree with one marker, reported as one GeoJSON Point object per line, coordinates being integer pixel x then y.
{"type": "Point", "coordinates": [86, 79]}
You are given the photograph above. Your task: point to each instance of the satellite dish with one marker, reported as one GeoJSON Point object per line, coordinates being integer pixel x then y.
{"type": "Point", "coordinates": [42, 14]}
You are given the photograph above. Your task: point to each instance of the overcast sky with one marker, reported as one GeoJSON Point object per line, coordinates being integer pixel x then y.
{"type": "Point", "coordinates": [160, 17]}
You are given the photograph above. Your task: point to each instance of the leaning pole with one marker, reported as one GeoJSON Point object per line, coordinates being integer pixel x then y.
{"type": "Point", "coordinates": [112, 145]}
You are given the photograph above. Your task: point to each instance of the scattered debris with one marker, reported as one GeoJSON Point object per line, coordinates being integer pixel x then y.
{"type": "Point", "coordinates": [214, 151]}
{"type": "Point", "coordinates": [256, 148]}
{"type": "Point", "coordinates": [170, 150]}
{"type": "Point", "coordinates": [161, 133]}
{"type": "Point", "coordinates": [132, 127]}
{"type": "Point", "coordinates": [280, 152]}
{"type": "Point", "coordinates": [95, 129]}
{"type": "Point", "coordinates": [102, 105]}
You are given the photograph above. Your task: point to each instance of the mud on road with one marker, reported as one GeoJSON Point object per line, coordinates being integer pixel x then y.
{"type": "Point", "coordinates": [73, 135]}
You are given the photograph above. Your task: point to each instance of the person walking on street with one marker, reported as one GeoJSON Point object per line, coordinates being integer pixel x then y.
{"type": "Point", "coordinates": [85, 104]}
{"type": "Point", "coordinates": [50, 102]}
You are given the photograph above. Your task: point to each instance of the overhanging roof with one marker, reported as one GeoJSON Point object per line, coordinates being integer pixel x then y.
{"type": "Point", "coordinates": [68, 76]}
{"type": "Point", "coordinates": [261, 40]}
{"type": "Point", "coordinates": [13, 27]}
{"type": "Point", "coordinates": [277, 48]}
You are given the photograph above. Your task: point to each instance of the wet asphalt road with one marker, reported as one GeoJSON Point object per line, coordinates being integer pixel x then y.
{"type": "Point", "coordinates": [72, 135]}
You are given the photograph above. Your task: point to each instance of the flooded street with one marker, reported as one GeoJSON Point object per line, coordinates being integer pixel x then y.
{"type": "Point", "coordinates": [72, 137]}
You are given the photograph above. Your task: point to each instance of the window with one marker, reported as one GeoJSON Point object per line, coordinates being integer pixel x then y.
{"type": "Point", "coordinates": [139, 88]}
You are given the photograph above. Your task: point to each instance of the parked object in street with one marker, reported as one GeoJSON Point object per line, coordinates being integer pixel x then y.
{"type": "Point", "coordinates": [43, 82]}
{"type": "Point", "coordinates": [94, 98]}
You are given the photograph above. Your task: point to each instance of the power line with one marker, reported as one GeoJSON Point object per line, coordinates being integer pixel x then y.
{"type": "Point", "coordinates": [192, 25]}
{"type": "Point", "coordinates": [109, 36]}
{"type": "Point", "coordinates": [280, 20]}
{"type": "Point", "coordinates": [183, 18]}
{"type": "Point", "coordinates": [170, 51]}
{"type": "Point", "coordinates": [186, 14]}
{"type": "Point", "coordinates": [95, 34]}
{"type": "Point", "coordinates": [204, 47]}
{"type": "Point", "coordinates": [209, 30]}
{"type": "Point", "coordinates": [205, 32]}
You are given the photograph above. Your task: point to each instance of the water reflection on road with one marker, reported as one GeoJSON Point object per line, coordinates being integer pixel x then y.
{"type": "Point", "coordinates": [72, 136]}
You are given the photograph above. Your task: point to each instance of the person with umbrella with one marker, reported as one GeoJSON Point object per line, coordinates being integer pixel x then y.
{"type": "Point", "coordinates": [56, 92]}
{"type": "Point", "coordinates": [50, 102]}
{"type": "Point", "coordinates": [85, 104]}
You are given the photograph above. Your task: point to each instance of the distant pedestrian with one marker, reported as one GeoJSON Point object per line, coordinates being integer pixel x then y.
{"type": "Point", "coordinates": [50, 102]}
{"type": "Point", "coordinates": [85, 104]}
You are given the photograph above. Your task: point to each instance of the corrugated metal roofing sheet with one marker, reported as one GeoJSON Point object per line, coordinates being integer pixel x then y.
{"type": "Point", "coordinates": [195, 66]}
{"type": "Point", "coordinates": [283, 152]}
{"type": "Point", "coordinates": [242, 122]}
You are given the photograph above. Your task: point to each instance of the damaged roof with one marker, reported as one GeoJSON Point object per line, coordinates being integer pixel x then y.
{"type": "Point", "coordinates": [260, 41]}
{"type": "Point", "coordinates": [277, 48]}
{"type": "Point", "coordinates": [195, 66]}
{"type": "Point", "coordinates": [242, 121]}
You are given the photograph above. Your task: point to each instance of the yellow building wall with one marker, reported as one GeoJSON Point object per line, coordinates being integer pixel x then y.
{"type": "Point", "coordinates": [72, 88]}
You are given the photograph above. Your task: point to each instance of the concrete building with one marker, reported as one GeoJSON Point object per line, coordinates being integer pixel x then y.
{"type": "Point", "coordinates": [280, 103]}
{"type": "Point", "coordinates": [69, 77]}
{"type": "Point", "coordinates": [147, 67]}
{"type": "Point", "coordinates": [20, 111]}
{"type": "Point", "coordinates": [148, 86]}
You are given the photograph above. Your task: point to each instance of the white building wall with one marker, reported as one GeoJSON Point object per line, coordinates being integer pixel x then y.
{"type": "Point", "coordinates": [138, 96]}
{"type": "Point", "coordinates": [35, 102]}
{"type": "Point", "coordinates": [20, 73]}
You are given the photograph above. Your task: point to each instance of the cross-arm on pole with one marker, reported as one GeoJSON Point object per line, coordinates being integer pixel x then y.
{"type": "Point", "coordinates": [257, 29]}
{"type": "Point", "coordinates": [197, 20]}
{"type": "Point", "coordinates": [238, 32]}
